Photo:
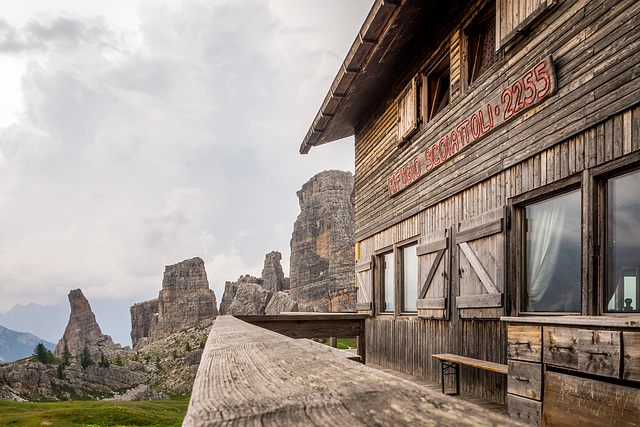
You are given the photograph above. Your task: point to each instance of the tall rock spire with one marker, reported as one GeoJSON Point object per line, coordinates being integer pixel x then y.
{"type": "Point", "coordinates": [83, 329]}
{"type": "Point", "coordinates": [322, 244]}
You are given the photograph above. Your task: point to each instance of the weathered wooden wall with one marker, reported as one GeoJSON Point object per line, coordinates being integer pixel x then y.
{"type": "Point", "coordinates": [406, 343]}
{"type": "Point", "coordinates": [592, 120]}
{"type": "Point", "coordinates": [596, 50]}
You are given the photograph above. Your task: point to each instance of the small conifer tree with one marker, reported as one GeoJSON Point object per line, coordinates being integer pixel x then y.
{"type": "Point", "coordinates": [43, 354]}
{"type": "Point", "coordinates": [60, 372]}
{"type": "Point", "coordinates": [66, 356]}
{"type": "Point", "coordinates": [85, 358]}
{"type": "Point", "coordinates": [104, 362]}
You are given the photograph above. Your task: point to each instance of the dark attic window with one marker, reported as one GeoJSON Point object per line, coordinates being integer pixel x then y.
{"type": "Point", "coordinates": [436, 85]}
{"type": "Point", "coordinates": [481, 42]}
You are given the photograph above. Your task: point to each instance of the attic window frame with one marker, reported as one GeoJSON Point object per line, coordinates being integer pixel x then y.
{"type": "Point", "coordinates": [475, 33]}
{"type": "Point", "coordinates": [433, 77]}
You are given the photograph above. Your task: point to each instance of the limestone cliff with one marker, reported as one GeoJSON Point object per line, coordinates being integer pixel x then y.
{"type": "Point", "coordinates": [83, 329]}
{"type": "Point", "coordinates": [256, 296]}
{"type": "Point", "coordinates": [250, 299]}
{"type": "Point", "coordinates": [322, 244]}
{"type": "Point", "coordinates": [184, 301]}
{"type": "Point", "coordinates": [272, 273]}
{"type": "Point", "coordinates": [280, 302]}
{"type": "Point", "coordinates": [231, 289]}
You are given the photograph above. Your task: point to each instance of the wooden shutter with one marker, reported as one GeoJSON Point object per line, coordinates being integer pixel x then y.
{"type": "Point", "coordinates": [480, 242]}
{"type": "Point", "coordinates": [434, 261]}
{"type": "Point", "coordinates": [408, 112]}
{"type": "Point", "coordinates": [364, 286]}
{"type": "Point", "coordinates": [513, 17]}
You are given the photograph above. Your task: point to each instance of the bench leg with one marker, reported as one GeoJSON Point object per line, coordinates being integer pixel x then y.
{"type": "Point", "coordinates": [447, 366]}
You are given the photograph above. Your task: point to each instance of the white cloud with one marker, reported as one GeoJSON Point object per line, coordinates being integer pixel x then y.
{"type": "Point", "coordinates": [151, 132]}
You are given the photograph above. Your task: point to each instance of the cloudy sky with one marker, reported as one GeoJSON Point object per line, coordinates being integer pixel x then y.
{"type": "Point", "coordinates": [136, 134]}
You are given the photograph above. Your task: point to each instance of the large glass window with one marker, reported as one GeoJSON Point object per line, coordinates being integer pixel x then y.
{"type": "Point", "coordinates": [387, 282]}
{"type": "Point", "coordinates": [552, 255]}
{"type": "Point", "coordinates": [409, 278]}
{"type": "Point", "coordinates": [623, 243]}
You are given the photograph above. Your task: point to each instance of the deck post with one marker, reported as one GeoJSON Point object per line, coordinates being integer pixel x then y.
{"type": "Point", "coordinates": [361, 344]}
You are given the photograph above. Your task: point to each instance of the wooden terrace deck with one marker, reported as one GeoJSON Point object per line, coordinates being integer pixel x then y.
{"type": "Point", "coordinates": [249, 375]}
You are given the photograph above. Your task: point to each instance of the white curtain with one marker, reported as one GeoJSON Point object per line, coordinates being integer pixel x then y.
{"type": "Point", "coordinates": [545, 234]}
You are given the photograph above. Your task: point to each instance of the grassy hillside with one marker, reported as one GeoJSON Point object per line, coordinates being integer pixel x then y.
{"type": "Point", "coordinates": [155, 413]}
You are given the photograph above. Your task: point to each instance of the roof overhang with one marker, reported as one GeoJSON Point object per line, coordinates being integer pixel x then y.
{"type": "Point", "coordinates": [394, 32]}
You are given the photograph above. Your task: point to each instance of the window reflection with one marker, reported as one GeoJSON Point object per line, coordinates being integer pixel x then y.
{"type": "Point", "coordinates": [388, 282]}
{"type": "Point", "coordinates": [410, 277]}
{"type": "Point", "coordinates": [623, 243]}
{"type": "Point", "coordinates": [553, 255]}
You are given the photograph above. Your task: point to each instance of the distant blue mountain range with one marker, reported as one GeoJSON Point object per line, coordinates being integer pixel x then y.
{"type": "Point", "coordinates": [50, 321]}
{"type": "Point", "coordinates": [17, 345]}
{"type": "Point", "coordinates": [46, 321]}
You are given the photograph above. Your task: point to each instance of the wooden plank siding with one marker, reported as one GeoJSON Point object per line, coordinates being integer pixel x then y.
{"type": "Point", "coordinates": [597, 58]}
{"type": "Point", "coordinates": [592, 120]}
{"type": "Point", "coordinates": [387, 343]}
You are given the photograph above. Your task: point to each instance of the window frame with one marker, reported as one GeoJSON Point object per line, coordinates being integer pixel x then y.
{"type": "Point", "coordinates": [437, 69]}
{"type": "Point", "coordinates": [517, 208]}
{"type": "Point", "coordinates": [480, 21]}
{"type": "Point", "coordinates": [601, 176]}
{"type": "Point", "coordinates": [400, 275]}
{"type": "Point", "coordinates": [379, 278]}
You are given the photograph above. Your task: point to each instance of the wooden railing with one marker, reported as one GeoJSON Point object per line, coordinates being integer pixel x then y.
{"type": "Point", "coordinates": [250, 375]}
{"type": "Point", "coordinates": [315, 325]}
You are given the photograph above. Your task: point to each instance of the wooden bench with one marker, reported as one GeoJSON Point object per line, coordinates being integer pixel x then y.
{"type": "Point", "coordinates": [451, 362]}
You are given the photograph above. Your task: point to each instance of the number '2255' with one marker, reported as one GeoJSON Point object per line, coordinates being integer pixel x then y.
{"type": "Point", "coordinates": [524, 92]}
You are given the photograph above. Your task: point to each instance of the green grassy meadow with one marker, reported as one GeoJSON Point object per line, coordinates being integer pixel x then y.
{"type": "Point", "coordinates": [153, 413]}
{"type": "Point", "coordinates": [343, 343]}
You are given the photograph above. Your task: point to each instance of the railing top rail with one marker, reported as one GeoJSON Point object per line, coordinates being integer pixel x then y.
{"type": "Point", "coordinates": [249, 375]}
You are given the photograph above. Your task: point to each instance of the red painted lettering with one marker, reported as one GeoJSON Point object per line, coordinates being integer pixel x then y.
{"type": "Point", "coordinates": [436, 157]}
{"type": "Point", "coordinates": [543, 76]}
{"type": "Point", "coordinates": [428, 160]}
{"type": "Point", "coordinates": [392, 187]}
{"type": "Point", "coordinates": [485, 127]}
{"type": "Point", "coordinates": [463, 133]}
{"type": "Point", "coordinates": [475, 127]}
{"type": "Point", "coordinates": [444, 152]}
{"type": "Point", "coordinates": [533, 85]}
{"type": "Point", "coordinates": [529, 86]}
{"type": "Point", "coordinates": [454, 147]}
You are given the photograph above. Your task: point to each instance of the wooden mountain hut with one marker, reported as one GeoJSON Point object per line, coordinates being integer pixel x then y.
{"type": "Point", "coordinates": [497, 171]}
